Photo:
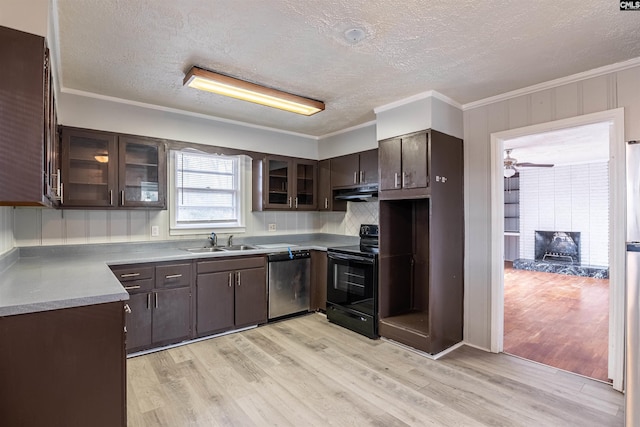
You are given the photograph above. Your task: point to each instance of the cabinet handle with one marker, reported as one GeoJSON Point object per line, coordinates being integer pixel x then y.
{"type": "Point", "coordinates": [124, 276]}
{"type": "Point", "coordinates": [396, 180]}
{"type": "Point", "coordinates": [129, 288]}
{"type": "Point", "coordinates": [110, 197]}
{"type": "Point", "coordinates": [355, 177]}
{"type": "Point", "coordinates": [156, 298]}
{"type": "Point", "coordinates": [230, 275]}
{"type": "Point", "coordinates": [127, 309]}
{"type": "Point", "coordinates": [148, 301]}
{"type": "Point", "coordinates": [122, 198]}
{"type": "Point", "coordinates": [361, 177]}
{"type": "Point", "coordinates": [61, 192]}
{"type": "Point", "coordinates": [326, 203]}
{"type": "Point", "coordinates": [173, 276]}
{"type": "Point", "coordinates": [404, 179]}
{"type": "Point", "coordinates": [238, 278]}
{"type": "Point", "coordinates": [296, 204]}
{"type": "Point", "coordinates": [290, 202]}
{"type": "Point", "coordinates": [59, 189]}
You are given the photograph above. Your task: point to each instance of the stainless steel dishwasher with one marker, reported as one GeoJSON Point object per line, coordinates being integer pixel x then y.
{"type": "Point", "coordinates": [289, 283]}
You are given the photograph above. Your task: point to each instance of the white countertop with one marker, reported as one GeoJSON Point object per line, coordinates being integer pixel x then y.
{"type": "Point", "coordinates": [50, 278]}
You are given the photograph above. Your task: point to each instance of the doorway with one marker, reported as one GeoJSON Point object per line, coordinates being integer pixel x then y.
{"type": "Point", "coordinates": [613, 121]}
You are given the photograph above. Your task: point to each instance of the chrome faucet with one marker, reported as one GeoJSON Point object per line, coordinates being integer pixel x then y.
{"type": "Point", "coordinates": [230, 241]}
{"type": "Point", "coordinates": [213, 238]}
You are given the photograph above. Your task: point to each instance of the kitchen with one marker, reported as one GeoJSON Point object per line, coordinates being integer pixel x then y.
{"type": "Point", "coordinates": [49, 227]}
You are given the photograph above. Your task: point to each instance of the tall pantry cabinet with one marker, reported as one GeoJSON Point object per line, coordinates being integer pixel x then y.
{"type": "Point", "coordinates": [421, 240]}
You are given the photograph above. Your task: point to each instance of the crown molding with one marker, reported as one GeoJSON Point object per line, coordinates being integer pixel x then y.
{"type": "Point", "coordinates": [349, 129]}
{"type": "Point", "coordinates": [181, 112]}
{"type": "Point", "coordinates": [418, 97]}
{"type": "Point", "coordinates": [596, 72]}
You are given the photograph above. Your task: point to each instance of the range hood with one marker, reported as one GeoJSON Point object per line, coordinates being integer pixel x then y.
{"type": "Point", "coordinates": [357, 194]}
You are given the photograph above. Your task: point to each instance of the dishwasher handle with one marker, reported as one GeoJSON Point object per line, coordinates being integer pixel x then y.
{"type": "Point", "coordinates": [288, 256]}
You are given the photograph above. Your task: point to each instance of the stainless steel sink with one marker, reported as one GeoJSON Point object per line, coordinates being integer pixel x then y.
{"type": "Point", "coordinates": [238, 248]}
{"type": "Point", "coordinates": [204, 250]}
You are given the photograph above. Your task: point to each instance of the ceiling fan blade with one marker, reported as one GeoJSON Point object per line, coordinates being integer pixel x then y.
{"type": "Point", "coordinates": [534, 165]}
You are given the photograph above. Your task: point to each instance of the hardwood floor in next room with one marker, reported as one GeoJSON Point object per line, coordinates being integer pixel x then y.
{"type": "Point", "coordinates": [561, 321]}
{"type": "Point", "coordinates": [306, 371]}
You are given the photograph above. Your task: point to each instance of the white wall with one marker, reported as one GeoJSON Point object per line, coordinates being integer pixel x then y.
{"type": "Point", "coordinates": [31, 16]}
{"type": "Point", "coordinates": [6, 229]}
{"type": "Point", "coordinates": [612, 90]}
{"type": "Point", "coordinates": [103, 114]}
{"type": "Point", "coordinates": [361, 138]}
{"type": "Point", "coordinates": [567, 198]}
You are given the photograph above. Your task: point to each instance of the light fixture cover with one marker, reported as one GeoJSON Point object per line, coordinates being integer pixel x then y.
{"type": "Point", "coordinates": [509, 171]}
{"type": "Point", "coordinates": [210, 81]}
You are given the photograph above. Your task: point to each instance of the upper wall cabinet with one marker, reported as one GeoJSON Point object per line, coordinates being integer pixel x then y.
{"type": "Point", "coordinates": [355, 169]}
{"type": "Point", "coordinates": [284, 183]}
{"type": "Point", "coordinates": [28, 142]}
{"type": "Point", "coordinates": [404, 165]}
{"type": "Point", "coordinates": [106, 170]}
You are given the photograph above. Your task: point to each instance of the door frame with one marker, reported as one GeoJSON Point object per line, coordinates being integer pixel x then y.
{"type": "Point", "coordinates": [617, 233]}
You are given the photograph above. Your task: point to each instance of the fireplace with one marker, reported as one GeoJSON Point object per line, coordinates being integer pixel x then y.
{"type": "Point", "coordinates": [557, 246]}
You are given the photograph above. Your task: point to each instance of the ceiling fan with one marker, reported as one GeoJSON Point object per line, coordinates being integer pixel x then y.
{"type": "Point", "coordinates": [510, 164]}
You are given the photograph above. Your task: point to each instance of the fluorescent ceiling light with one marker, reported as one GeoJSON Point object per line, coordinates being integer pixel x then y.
{"type": "Point", "coordinates": [209, 81]}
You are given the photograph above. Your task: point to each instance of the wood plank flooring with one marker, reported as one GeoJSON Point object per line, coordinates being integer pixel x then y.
{"type": "Point", "coordinates": [561, 321]}
{"type": "Point", "coordinates": [306, 371]}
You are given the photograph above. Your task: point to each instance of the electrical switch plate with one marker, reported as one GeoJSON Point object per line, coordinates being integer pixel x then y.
{"type": "Point", "coordinates": [272, 227]}
{"type": "Point", "coordinates": [155, 231]}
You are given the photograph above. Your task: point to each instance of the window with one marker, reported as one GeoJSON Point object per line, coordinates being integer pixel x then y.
{"type": "Point", "coordinates": [206, 191]}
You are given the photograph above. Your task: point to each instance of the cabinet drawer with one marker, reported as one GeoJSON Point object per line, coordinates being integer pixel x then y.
{"type": "Point", "coordinates": [128, 273]}
{"type": "Point", "coordinates": [136, 286]}
{"type": "Point", "coordinates": [230, 264]}
{"type": "Point", "coordinates": [173, 275]}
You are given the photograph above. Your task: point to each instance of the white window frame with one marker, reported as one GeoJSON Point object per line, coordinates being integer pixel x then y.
{"type": "Point", "coordinates": [237, 226]}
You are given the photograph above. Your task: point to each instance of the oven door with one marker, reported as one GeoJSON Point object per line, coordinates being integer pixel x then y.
{"type": "Point", "coordinates": [352, 282]}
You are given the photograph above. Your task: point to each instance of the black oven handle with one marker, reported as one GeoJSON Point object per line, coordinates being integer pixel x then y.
{"type": "Point", "coordinates": [343, 257]}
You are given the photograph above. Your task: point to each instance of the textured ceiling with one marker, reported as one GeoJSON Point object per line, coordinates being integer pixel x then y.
{"type": "Point", "coordinates": [467, 50]}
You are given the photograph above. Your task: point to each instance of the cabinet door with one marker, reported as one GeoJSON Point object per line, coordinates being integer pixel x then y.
{"type": "Point", "coordinates": [251, 297]}
{"type": "Point", "coordinates": [344, 170]}
{"type": "Point", "coordinates": [88, 168]}
{"type": "Point", "coordinates": [390, 158]}
{"type": "Point", "coordinates": [141, 173]}
{"type": "Point", "coordinates": [171, 315]}
{"type": "Point", "coordinates": [414, 161]}
{"type": "Point", "coordinates": [324, 185]}
{"type": "Point", "coordinates": [305, 180]}
{"type": "Point", "coordinates": [277, 186]}
{"type": "Point", "coordinates": [318, 281]}
{"type": "Point", "coordinates": [368, 167]}
{"type": "Point", "coordinates": [139, 322]}
{"type": "Point", "coordinates": [214, 302]}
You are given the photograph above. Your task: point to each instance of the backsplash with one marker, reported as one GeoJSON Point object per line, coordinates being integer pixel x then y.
{"type": "Point", "coordinates": [6, 229]}
{"type": "Point", "coordinates": [36, 226]}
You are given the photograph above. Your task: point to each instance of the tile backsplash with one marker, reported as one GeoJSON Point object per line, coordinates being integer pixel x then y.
{"type": "Point", "coordinates": [36, 226]}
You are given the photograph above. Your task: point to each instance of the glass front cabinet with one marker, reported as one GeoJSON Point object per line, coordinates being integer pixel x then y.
{"type": "Point", "coordinates": [105, 170]}
{"type": "Point", "coordinates": [289, 183]}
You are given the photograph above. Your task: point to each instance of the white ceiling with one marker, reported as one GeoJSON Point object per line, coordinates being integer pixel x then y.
{"type": "Point", "coordinates": [468, 50]}
{"type": "Point", "coordinates": [577, 145]}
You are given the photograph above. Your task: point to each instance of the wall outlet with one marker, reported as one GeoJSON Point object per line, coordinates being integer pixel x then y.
{"type": "Point", "coordinates": [155, 231]}
{"type": "Point", "coordinates": [272, 227]}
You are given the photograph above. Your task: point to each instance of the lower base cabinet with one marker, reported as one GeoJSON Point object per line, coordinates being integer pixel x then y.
{"type": "Point", "coordinates": [230, 294]}
{"type": "Point", "coordinates": [64, 367]}
{"type": "Point", "coordinates": [318, 281]}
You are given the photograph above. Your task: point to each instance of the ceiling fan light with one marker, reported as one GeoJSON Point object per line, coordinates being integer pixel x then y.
{"type": "Point", "coordinates": [220, 84]}
{"type": "Point", "coordinates": [509, 172]}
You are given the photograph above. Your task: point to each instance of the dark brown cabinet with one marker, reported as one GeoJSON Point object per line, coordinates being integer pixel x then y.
{"type": "Point", "coordinates": [28, 137]}
{"type": "Point", "coordinates": [404, 166]}
{"type": "Point", "coordinates": [285, 183]}
{"type": "Point", "coordinates": [355, 169]}
{"type": "Point", "coordinates": [230, 294]}
{"type": "Point", "coordinates": [326, 202]}
{"type": "Point", "coordinates": [107, 170]}
{"type": "Point", "coordinates": [422, 254]}
{"type": "Point", "coordinates": [318, 281]}
{"type": "Point", "coordinates": [64, 367]}
{"type": "Point", "coordinates": [160, 303]}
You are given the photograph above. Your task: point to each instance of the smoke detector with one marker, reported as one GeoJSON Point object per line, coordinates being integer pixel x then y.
{"type": "Point", "coordinates": [355, 35]}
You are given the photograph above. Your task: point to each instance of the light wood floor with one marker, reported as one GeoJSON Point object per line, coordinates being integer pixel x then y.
{"type": "Point", "coordinates": [561, 321]}
{"type": "Point", "coordinates": [306, 372]}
